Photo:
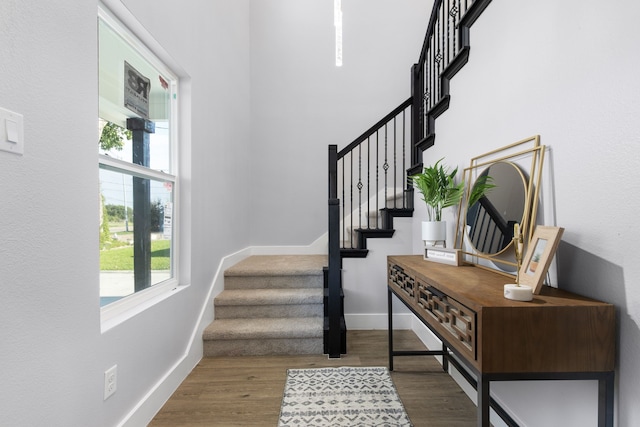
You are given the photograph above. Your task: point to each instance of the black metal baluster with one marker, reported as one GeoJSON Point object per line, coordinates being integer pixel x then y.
{"type": "Point", "coordinates": [456, 20]}
{"type": "Point", "coordinates": [440, 29]}
{"type": "Point", "coordinates": [434, 72]}
{"type": "Point", "coordinates": [360, 186]}
{"type": "Point", "coordinates": [432, 80]}
{"type": "Point", "coordinates": [377, 171]}
{"type": "Point", "coordinates": [404, 158]}
{"type": "Point", "coordinates": [437, 69]}
{"type": "Point", "coordinates": [428, 87]}
{"type": "Point", "coordinates": [395, 162]}
{"type": "Point", "coordinates": [451, 19]}
{"type": "Point", "coordinates": [385, 167]}
{"type": "Point", "coordinates": [369, 174]}
{"type": "Point", "coordinates": [425, 95]}
{"type": "Point", "coordinates": [351, 196]}
{"type": "Point", "coordinates": [446, 12]}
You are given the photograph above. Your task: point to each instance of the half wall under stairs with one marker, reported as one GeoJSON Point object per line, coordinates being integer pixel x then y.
{"type": "Point", "coordinates": [271, 304]}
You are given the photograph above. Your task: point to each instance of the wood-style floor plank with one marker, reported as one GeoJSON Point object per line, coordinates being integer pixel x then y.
{"type": "Point", "coordinates": [247, 391]}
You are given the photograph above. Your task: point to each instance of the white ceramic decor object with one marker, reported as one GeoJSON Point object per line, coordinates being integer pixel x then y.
{"type": "Point", "coordinates": [518, 293]}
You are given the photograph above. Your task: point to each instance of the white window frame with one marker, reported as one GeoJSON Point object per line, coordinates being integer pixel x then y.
{"type": "Point", "coordinates": [125, 24]}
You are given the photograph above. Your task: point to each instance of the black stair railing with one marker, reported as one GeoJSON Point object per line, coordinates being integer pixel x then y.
{"type": "Point", "coordinates": [445, 50]}
{"type": "Point", "coordinates": [366, 177]}
{"type": "Point", "coordinates": [372, 176]}
{"type": "Point", "coordinates": [369, 180]}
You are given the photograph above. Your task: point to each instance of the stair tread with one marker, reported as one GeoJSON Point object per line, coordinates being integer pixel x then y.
{"type": "Point", "coordinates": [353, 252]}
{"type": "Point", "coordinates": [269, 296]}
{"type": "Point", "coordinates": [399, 210]}
{"type": "Point", "coordinates": [278, 265]}
{"type": "Point", "coordinates": [264, 328]}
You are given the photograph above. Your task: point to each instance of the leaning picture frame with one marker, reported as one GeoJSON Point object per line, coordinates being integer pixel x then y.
{"type": "Point", "coordinates": [539, 255]}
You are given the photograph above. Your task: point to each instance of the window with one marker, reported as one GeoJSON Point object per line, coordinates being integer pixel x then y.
{"type": "Point", "coordinates": [137, 160]}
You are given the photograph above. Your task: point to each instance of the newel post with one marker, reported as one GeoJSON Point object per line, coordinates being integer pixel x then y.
{"type": "Point", "coordinates": [417, 113]}
{"type": "Point", "coordinates": [334, 274]}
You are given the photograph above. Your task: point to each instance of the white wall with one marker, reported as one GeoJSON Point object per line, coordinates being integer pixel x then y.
{"type": "Point", "coordinates": [301, 102]}
{"type": "Point", "coordinates": [567, 71]}
{"type": "Point", "coordinates": [49, 309]}
{"type": "Point", "coordinates": [53, 354]}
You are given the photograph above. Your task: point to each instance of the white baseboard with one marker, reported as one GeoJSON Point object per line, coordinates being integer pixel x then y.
{"type": "Point", "coordinates": [144, 411]}
{"type": "Point", "coordinates": [147, 407]}
{"type": "Point", "coordinates": [377, 321]}
{"type": "Point", "coordinates": [152, 402]}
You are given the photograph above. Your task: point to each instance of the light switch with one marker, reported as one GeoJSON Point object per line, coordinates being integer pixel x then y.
{"type": "Point", "coordinates": [11, 132]}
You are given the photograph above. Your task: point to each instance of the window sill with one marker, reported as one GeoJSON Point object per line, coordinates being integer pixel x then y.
{"type": "Point", "coordinates": [122, 310]}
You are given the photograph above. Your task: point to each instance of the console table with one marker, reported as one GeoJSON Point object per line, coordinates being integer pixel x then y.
{"type": "Point", "coordinates": [557, 336]}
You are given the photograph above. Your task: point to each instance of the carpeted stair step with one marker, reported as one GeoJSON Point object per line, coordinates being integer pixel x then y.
{"type": "Point", "coordinates": [276, 271]}
{"type": "Point", "coordinates": [257, 303]}
{"type": "Point", "coordinates": [263, 336]}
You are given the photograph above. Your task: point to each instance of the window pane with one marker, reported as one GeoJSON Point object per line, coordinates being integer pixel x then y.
{"type": "Point", "coordinates": [128, 203]}
{"type": "Point", "coordinates": [131, 86]}
{"type": "Point", "coordinates": [116, 143]}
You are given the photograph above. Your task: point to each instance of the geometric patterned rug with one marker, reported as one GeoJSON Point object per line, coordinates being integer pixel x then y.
{"type": "Point", "coordinates": [336, 397]}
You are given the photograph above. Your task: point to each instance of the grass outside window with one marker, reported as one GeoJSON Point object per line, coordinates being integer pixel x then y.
{"type": "Point", "coordinates": [121, 258]}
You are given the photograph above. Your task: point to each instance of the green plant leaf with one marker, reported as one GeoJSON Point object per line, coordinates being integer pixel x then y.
{"type": "Point", "coordinates": [482, 185]}
{"type": "Point", "coordinates": [438, 188]}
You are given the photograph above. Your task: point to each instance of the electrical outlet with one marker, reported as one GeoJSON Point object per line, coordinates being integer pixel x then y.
{"type": "Point", "coordinates": [110, 381]}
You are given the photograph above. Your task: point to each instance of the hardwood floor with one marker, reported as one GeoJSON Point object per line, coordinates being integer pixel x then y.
{"type": "Point", "coordinates": [247, 391]}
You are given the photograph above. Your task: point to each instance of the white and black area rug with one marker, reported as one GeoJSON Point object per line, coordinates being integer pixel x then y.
{"type": "Point", "coordinates": [336, 397]}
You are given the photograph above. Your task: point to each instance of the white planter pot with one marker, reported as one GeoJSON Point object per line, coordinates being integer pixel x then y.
{"type": "Point", "coordinates": [434, 232]}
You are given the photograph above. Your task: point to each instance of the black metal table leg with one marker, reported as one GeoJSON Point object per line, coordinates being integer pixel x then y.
{"type": "Point", "coordinates": [390, 318]}
{"type": "Point", "coordinates": [445, 358]}
{"type": "Point", "coordinates": [483, 401]}
{"type": "Point", "coordinates": [605, 400]}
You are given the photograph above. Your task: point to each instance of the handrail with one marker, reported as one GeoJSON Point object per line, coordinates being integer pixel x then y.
{"type": "Point", "coordinates": [430, 29]}
{"type": "Point", "coordinates": [375, 127]}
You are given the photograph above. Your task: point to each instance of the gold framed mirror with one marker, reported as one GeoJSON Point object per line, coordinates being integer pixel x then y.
{"type": "Point", "coordinates": [485, 230]}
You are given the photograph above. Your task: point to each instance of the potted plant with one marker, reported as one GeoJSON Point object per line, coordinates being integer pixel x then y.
{"type": "Point", "coordinates": [439, 191]}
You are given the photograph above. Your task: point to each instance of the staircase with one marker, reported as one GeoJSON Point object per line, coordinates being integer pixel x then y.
{"type": "Point", "coordinates": [274, 305]}
{"type": "Point", "coordinates": [271, 304]}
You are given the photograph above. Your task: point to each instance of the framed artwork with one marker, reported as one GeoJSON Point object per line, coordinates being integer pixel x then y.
{"type": "Point", "coordinates": [541, 250]}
